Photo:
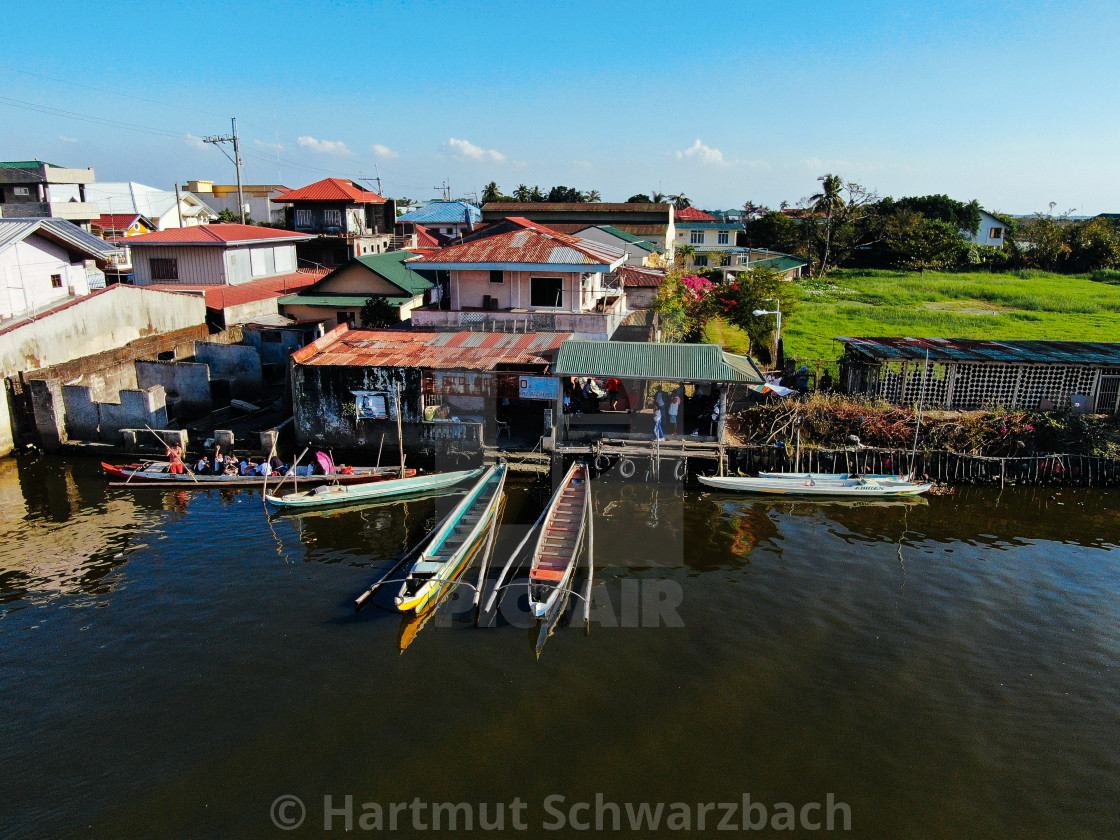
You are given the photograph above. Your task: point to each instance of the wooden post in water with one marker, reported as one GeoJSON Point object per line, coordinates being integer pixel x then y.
{"type": "Point", "coordinates": [590, 563]}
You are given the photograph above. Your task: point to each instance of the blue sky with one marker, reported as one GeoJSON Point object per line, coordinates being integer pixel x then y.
{"type": "Point", "coordinates": [1014, 104]}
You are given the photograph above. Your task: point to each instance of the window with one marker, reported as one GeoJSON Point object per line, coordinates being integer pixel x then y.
{"type": "Point", "coordinates": [700, 260]}
{"type": "Point", "coordinates": [332, 218]}
{"type": "Point", "coordinates": [997, 233]}
{"type": "Point", "coordinates": [725, 259]}
{"type": "Point", "coordinates": [697, 237]}
{"type": "Point", "coordinates": [546, 291]}
{"type": "Point", "coordinates": [344, 317]}
{"type": "Point", "coordinates": [56, 281]}
{"type": "Point", "coordinates": [285, 257]}
{"type": "Point", "coordinates": [270, 336]}
{"type": "Point", "coordinates": [724, 237]}
{"type": "Point", "coordinates": [257, 266]}
{"type": "Point", "coordinates": [22, 191]}
{"type": "Point", "coordinates": [163, 268]}
{"type": "Point", "coordinates": [303, 218]}
{"type": "Point", "coordinates": [497, 277]}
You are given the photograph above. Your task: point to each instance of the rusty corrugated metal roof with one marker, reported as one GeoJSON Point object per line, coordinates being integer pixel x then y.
{"type": "Point", "coordinates": [436, 350]}
{"type": "Point", "coordinates": [978, 350]}
{"type": "Point", "coordinates": [534, 244]}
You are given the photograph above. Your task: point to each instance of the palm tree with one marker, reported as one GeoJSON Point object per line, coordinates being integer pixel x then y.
{"type": "Point", "coordinates": [522, 193]}
{"type": "Point", "coordinates": [680, 201]}
{"type": "Point", "coordinates": [657, 197]}
{"type": "Point", "coordinates": [593, 196]}
{"type": "Point", "coordinates": [830, 202]}
{"type": "Point", "coordinates": [491, 192]}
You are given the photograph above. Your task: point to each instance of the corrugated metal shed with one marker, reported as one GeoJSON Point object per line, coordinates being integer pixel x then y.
{"type": "Point", "coordinates": [433, 350]}
{"type": "Point", "coordinates": [640, 360]}
{"type": "Point", "coordinates": [973, 350]}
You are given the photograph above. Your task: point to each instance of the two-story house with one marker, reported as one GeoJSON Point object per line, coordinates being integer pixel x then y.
{"type": "Point", "coordinates": [163, 207]}
{"type": "Point", "coordinates": [516, 275]}
{"type": "Point", "coordinates": [34, 189]}
{"type": "Point", "coordinates": [710, 242]}
{"type": "Point", "coordinates": [449, 219]}
{"type": "Point", "coordinates": [342, 221]}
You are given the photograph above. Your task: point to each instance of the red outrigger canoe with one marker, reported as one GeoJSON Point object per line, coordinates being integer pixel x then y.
{"type": "Point", "coordinates": [156, 472]}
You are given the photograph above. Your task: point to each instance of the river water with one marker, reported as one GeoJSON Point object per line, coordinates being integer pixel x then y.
{"type": "Point", "coordinates": [172, 664]}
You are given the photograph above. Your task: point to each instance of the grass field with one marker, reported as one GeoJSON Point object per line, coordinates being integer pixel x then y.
{"type": "Point", "coordinates": [1027, 305]}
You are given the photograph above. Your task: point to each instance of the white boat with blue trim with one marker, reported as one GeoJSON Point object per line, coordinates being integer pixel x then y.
{"type": "Point", "coordinates": [861, 487]}
{"type": "Point", "coordinates": [345, 494]}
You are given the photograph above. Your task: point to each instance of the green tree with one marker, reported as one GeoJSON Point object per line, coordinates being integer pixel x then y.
{"type": "Point", "coordinates": [680, 201]}
{"type": "Point", "coordinates": [1093, 245]}
{"type": "Point", "coordinates": [565, 195]}
{"type": "Point", "coordinates": [919, 242]}
{"type": "Point", "coordinates": [522, 193]}
{"type": "Point", "coordinates": [592, 196]}
{"type": "Point", "coordinates": [640, 198]}
{"type": "Point", "coordinates": [940, 207]}
{"type": "Point", "coordinates": [757, 289]}
{"type": "Point", "coordinates": [1042, 242]}
{"type": "Point", "coordinates": [657, 197]}
{"type": "Point", "coordinates": [491, 192]}
{"type": "Point", "coordinates": [775, 231]}
{"type": "Point", "coordinates": [377, 312]}
{"type": "Point", "coordinates": [839, 219]}
{"type": "Point", "coordinates": [231, 217]}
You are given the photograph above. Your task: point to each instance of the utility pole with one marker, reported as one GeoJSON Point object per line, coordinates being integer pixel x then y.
{"type": "Point", "coordinates": [444, 190]}
{"type": "Point", "coordinates": [236, 159]}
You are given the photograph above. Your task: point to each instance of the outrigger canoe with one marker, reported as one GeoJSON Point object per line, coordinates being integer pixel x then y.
{"type": "Point", "coordinates": [454, 544]}
{"type": "Point", "coordinates": [554, 556]}
{"type": "Point", "coordinates": [860, 487]}
{"type": "Point", "coordinates": [156, 472]}
{"type": "Point", "coordinates": [344, 494]}
{"type": "Point", "coordinates": [811, 476]}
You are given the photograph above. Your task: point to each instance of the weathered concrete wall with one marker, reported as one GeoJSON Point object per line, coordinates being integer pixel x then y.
{"type": "Point", "coordinates": [47, 403]}
{"type": "Point", "coordinates": [187, 385]}
{"type": "Point", "coordinates": [136, 409]}
{"type": "Point", "coordinates": [325, 409]}
{"type": "Point", "coordinates": [239, 363]}
{"type": "Point", "coordinates": [82, 418]}
{"type": "Point", "coordinates": [246, 313]}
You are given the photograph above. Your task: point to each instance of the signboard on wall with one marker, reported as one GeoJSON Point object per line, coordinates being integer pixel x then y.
{"type": "Point", "coordinates": [458, 383]}
{"type": "Point", "coordinates": [536, 387]}
{"type": "Point", "coordinates": [372, 405]}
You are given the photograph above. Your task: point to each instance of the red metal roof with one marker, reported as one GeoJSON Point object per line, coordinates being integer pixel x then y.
{"type": "Point", "coordinates": [426, 349]}
{"type": "Point", "coordinates": [331, 189]}
{"type": "Point", "coordinates": [426, 239]}
{"type": "Point", "coordinates": [693, 214]}
{"type": "Point", "coordinates": [220, 234]}
{"type": "Point", "coordinates": [535, 244]}
{"type": "Point", "coordinates": [639, 276]}
{"type": "Point", "coordinates": [220, 297]}
{"type": "Point", "coordinates": [116, 222]}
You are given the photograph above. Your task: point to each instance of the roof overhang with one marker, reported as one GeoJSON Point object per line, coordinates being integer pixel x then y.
{"type": "Point", "coordinates": [598, 268]}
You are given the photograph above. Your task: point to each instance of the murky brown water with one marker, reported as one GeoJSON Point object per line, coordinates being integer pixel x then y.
{"type": "Point", "coordinates": [173, 662]}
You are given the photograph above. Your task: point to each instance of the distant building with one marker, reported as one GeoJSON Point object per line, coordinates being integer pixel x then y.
{"type": "Point", "coordinates": [714, 243]}
{"type": "Point", "coordinates": [639, 251]}
{"type": "Point", "coordinates": [516, 275]}
{"type": "Point", "coordinates": [992, 231]}
{"type": "Point", "coordinates": [46, 261]}
{"type": "Point", "coordinates": [34, 189]}
{"type": "Point", "coordinates": [340, 295]}
{"type": "Point", "coordinates": [161, 206]}
{"type": "Point", "coordinates": [259, 199]}
{"type": "Point", "coordinates": [966, 374]}
{"type": "Point", "coordinates": [341, 220]}
{"type": "Point", "coordinates": [116, 226]}
{"type": "Point", "coordinates": [447, 218]}
{"type": "Point", "coordinates": [653, 222]}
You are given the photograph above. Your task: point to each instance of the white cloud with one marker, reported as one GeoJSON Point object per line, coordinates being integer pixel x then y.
{"type": "Point", "coordinates": [66, 139]}
{"type": "Point", "coordinates": [704, 154]}
{"type": "Point", "coordinates": [326, 147]}
{"type": "Point", "coordinates": [272, 147]}
{"type": "Point", "coordinates": [382, 151]}
{"type": "Point", "coordinates": [583, 164]}
{"type": "Point", "coordinates": [194, 141]}
{"type": "Point", "coordinates": [465, 149]}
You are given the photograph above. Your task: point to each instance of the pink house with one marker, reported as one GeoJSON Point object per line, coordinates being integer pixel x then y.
{"type": "Point", "coordinates": [516, 275]}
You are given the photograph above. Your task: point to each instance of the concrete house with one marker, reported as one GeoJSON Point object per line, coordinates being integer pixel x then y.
{"type": "Point", "coordinates": [161, 206]}
{"type": "Point", "coordinates": [714, 243]}
{"type": "Point", "coordinates": [992, 232]}
{"type": "Point", "coordinates": [341, 220]}
{"type": "Point", "coordinates": [447, 218]}
{"type": "Point", "coordinates": [34, 189]}
{"type": "Point", "coordinates": [46, 261]}
{"type": "Point", "coordinates": [259, 199]}
{"type": "Point", "coordinates": [520, 276]}
{"type": "Point", "coordinates": [340, 295]}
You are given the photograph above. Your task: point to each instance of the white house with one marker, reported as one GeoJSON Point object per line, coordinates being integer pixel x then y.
{"type": "Point", "coordinates": [713, 242]}
{"type": "Point", "coordinates": [113, 197]}
{"type": "Point", "coordinates": [44, 262]}
{"type": "Point", "coordinates": [213, 255]}
{"type": "Point", "coordinates": [639, 251]}
{"type": "Point", "coordinates": [992, 231]}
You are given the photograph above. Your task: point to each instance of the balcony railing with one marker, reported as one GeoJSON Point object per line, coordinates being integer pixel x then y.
{"type": "Point", "coordinates": [520, 321]}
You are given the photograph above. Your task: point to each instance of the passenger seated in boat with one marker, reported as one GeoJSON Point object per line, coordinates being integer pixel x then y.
{"type": "Point", "coordinates": [246, 467]}
{"type": "Point", "coordinates": [262, 469]}
{"type": "Point", "coordinates": [278, 466]}
{"type": "Point", "coordinates": [203, 466]}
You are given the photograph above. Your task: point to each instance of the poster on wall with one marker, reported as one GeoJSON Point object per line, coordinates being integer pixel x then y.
{"type": "Point", "coordinates": [372, 405]}
{"type": "Point", "coordinates": [536, 387]}
{"type": "Point", "coordinates": [458, 384]}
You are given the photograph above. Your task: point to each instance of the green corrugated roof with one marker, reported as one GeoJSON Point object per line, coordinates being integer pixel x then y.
{"type": "Point", "coordinates": [336, 301]}
{"type": "Point", "coordinates": [391, 266]}
{"type": "Point", "coordinates": [641, 360]}
{"type": "Point", "coordinates": [626, 236]}
{"type": "Point", "coordinates": [26, 164]}
{"type": "Point", "coordinates": [780, 263]}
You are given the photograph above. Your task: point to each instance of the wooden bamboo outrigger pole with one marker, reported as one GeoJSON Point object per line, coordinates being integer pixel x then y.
{"type": "Point", "coordinates": [590, 562]}
{"type": "Point", "coordinates": [292, 471]}
{"type": "Point", "coordinates": [161, 440]}
{"type": "Point", "coordinates": [360, 601]}
{"type": "Point", "coordinates": [400, 432]}
{"type": "Point", "coordinates": [485, 566]}
{"type": "Point", "coordinates": [513, 556]}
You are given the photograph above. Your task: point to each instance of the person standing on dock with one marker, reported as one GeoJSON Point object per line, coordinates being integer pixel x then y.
{"type": "Point", "coordinates": [657, 433]}
{"type": "Point", "coordinates": [674, 412]}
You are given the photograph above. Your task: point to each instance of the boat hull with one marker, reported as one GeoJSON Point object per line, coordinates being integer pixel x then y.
{"type": "Point", "coordinates": [350, 493]}
{"type": "Point", "coordinates": [781, 487]}
{"type": "Point", "coordinates": [806, 476]}
{"type": "Point", "coordinates": [132, 475]}
{"type": "Point", "coordinates": [558, 545]}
